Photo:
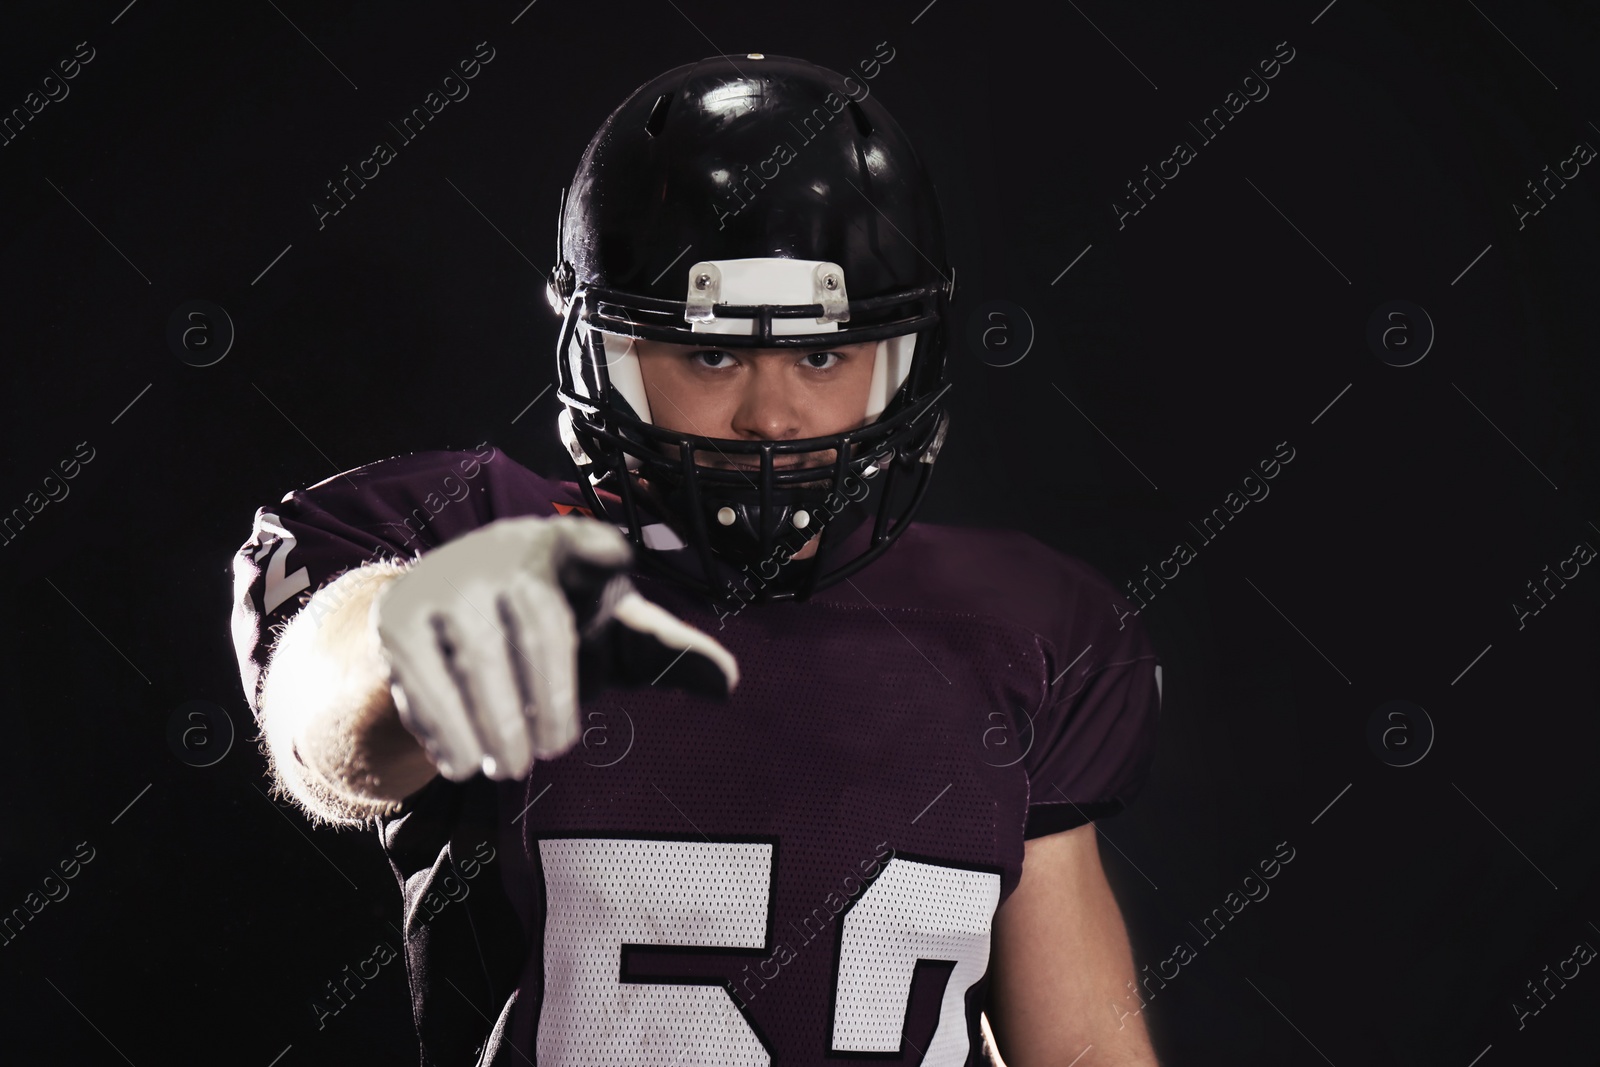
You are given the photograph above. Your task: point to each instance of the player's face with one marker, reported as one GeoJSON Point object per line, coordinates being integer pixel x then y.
{"type": "Point", "coordinates": [760, 394]}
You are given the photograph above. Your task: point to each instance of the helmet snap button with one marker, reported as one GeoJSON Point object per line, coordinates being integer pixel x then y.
{"type": "Point", "coordinates": [801, 520]}
{"type": "Point", "coordinates": [725, 516]}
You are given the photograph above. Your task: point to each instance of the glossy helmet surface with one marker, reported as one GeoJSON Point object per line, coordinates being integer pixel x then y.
{"type": "Point", "coordinates": [752, 201]}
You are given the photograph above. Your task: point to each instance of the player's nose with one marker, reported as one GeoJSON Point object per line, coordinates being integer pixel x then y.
{"type": "Point", "coordinates": [768, 408]}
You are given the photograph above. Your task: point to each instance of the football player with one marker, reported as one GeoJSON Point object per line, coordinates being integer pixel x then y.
{"type": "Point", "coordinates": [714, 755]}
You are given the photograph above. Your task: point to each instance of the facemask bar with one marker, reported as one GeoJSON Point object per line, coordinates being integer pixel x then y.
{"type": "Point", "coordinates": [830, 490]}
{"type": "Point", "coordinates": [906, 431]}
{"type": "Point", "coordinates": [659, 319]}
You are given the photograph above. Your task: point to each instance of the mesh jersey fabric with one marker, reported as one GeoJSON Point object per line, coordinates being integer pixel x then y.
{"type": "Point", "coordinates": [805, 871]}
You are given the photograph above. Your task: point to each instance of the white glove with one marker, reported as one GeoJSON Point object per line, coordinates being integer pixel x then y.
{"type": "Point", "coordinates": [483, 644]}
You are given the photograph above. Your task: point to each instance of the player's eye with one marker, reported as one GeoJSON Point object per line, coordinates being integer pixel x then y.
{"type": "Point", "coordinates": [822, 360]}
{"type": "Point", "coordinates": [711, 358]}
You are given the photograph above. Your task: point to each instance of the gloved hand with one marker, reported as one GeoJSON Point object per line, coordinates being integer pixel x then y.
{"type": "Point", "coordinates": [493, 638]}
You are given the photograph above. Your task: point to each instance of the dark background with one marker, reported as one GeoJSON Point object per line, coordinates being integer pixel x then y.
{"type": "Point", "coordinates": [1171, 358]}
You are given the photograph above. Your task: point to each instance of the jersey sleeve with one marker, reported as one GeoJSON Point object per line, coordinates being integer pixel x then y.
{"type": "Point", "coordinates": [389, 511]}
{"type": "Point", "coordinates": [1094, 733]}
{"type": "Point", "coordinates": [295, 548]}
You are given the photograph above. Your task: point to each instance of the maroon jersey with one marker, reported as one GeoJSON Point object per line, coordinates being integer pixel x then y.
{"type": "Point", "coordinates": [805, 872]}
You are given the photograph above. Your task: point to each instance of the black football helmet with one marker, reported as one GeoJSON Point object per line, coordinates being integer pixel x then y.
{"type": "Point", "coordinates": [752, 201]}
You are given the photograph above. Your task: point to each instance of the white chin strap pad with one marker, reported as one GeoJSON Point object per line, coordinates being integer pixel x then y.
{"type": "Point", "coordinates": [889, 372]}
{"type": "Point", "coordinates": [622, 365]}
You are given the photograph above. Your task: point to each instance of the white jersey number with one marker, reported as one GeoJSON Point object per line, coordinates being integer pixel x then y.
{"type": "Point", "coordinates": [274, 537]}
{"type": "Point", "coordinates": [914, 911]}
{"type": "Point", "coordinates": [603, 893]}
